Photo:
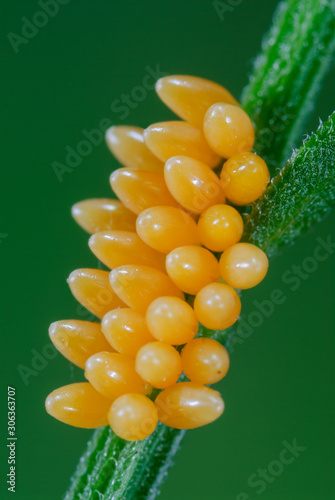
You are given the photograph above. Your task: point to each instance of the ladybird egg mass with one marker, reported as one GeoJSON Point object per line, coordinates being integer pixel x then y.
{"type": "Point", "coordinates": [174, 210]}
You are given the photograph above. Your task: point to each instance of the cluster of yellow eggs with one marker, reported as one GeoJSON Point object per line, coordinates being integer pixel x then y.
{"type": "Point", "coordinates": [159, 239]}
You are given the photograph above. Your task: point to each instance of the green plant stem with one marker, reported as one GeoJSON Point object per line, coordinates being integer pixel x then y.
{"type": "Point", "coordinates": [286, 76]}
{"type": "Point", "coordinates": [301, 195]}
{"type": "Point", "coordinates": [119, 470]}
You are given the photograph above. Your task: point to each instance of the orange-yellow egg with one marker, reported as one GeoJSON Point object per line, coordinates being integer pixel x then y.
{"type": "Point", "coordinates": [127, 145]}
{"type": "Point", "coordinates": [92, 289]}
{"type": "Point", "coordinates": [139, 190]}
{"type": "Point", "coordinates": [77, 340]}
{"type": "Point", "coordinates": [188, 405]}
{"type": "Point", "coordinates": [217, 306]}
{"type": "Point", "coordinates": [167, 139]}
{"type": "Point", "coordinates": [133, 417]}
{"type": "Point", "coordinates": [171, 320]}
{"type": "Point", "coordinates": [103, 214]}
{"type": "Point", "coordinates": [228, 129]}
{"type": "Point", "coordinates": [191, 268]}
{"type": "Point", "coordinates": [243, 265]}
{"type": "Point", "coordinates": [159, 364]}
{"type": "Point", "coordinates": [166, 228]}
{"type": "Point", "coordinates": [113, 374]}
{"type": "Point", "coordinates": [138, 286]}
{"type": "Point", "coordinates": [219, 227]}
{"type": "Point", "coordinates": [205, 361]}
{"type": "Point", "coordinates": [244, 178]}
{"type": "Point", "coordinates": [192, 183]}
{"type": "Point", "coordinates": [190, 96]}
{"type": "Point", "coordinates": [117, 248]}
{"type": "Point", "coordinates": [79, 405]}
{"type": "Point", "coordinates": [125, 330]}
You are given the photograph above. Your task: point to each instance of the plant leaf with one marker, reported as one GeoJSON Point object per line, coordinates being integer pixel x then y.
{"type": "Point", "coordinates": [287, 74]}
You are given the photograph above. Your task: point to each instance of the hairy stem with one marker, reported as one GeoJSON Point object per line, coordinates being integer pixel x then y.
{"type": "Point", "coordinates": [287, 75]}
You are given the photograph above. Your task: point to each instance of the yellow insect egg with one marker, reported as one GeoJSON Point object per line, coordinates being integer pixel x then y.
{"type": "Point", "coordinates": [139, 190]}
{"type": "Point", "coordinates": [217, 306]}
{"type": "Point", "coordinates": [244, 178]}
{"type": "Point", "coordinates": [127, 145]}
{"type": "Point", "coordinates": [77, 340]}
{"type": "Point", "coordinates": [188, 405]}
{"type": "Point", "coordinates": [113, 374]}
{"type": "Point", "coordinates": [228, 129]}
{"type": "Point", "coordinates": [191, 268]}
{"type": "Point", "coordinates": [166, 228]}
{"type": "Point", "coordinates": [190, 96]}
{"type": "Point", "coordinates": [193, 184]}
{"type": "Point", "coordinates": [159, 364]}
{"type": "Point", "coordinates": [243, 265]}
{"type": "Point", "coordinates": [102, 214]}
{"type": "Point", "coordinates": [205, 361]}
{"type": "Point", "coordinates": [117, 248]}
{"type": "Point", "coordinates": [219, 227]}
{"type": "Point", "coordinates": [133, 417]}
{"type": "Point", "coordinates": [92, 289]}
{"type": "Point", "coordinates": [125, 330]}
{"type": "Point", "coordinates": [138, 286]}
{"type": "Point", "coordinates": [167, 139]}
{"type": "Point", "coordinates": [171, 320]}
{"type": "Point", "coordinates": [79, 405]}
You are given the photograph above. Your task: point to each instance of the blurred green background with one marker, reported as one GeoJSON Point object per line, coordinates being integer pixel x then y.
{"type": "Point", "coordinates": [63, 80]}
